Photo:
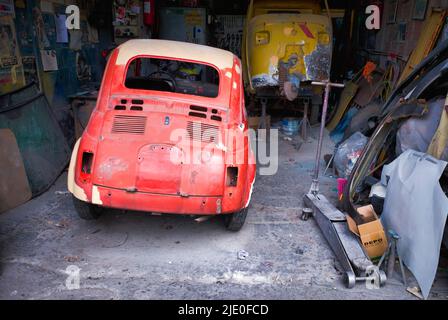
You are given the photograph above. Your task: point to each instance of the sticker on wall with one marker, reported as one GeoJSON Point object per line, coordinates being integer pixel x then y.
{"type": "Point", "coordinates": [9, 51]}
{"type": "Point", "coordinates": [49, 60]}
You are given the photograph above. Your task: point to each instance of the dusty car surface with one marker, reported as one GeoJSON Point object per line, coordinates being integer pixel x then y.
{"type": "Point", "coordinates": [168, 135]}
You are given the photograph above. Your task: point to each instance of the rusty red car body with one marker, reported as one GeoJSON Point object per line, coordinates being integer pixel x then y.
{"type": "Point", "coordinates": [124, 158]}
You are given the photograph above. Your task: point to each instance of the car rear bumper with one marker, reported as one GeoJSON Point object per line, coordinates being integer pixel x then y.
{"type": "Point", "coordinates": [160, 203]}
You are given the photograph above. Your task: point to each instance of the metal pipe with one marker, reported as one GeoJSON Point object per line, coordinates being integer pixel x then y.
{"type": "Point", "coordinates": [315, 185]}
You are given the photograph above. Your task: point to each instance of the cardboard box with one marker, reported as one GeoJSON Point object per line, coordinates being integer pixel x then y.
{"type": "Point", "coordinates": [371, 232]}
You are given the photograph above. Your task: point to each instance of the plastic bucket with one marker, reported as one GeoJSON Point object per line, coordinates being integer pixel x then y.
{"type": "Point", "coordinates": [290, 126]}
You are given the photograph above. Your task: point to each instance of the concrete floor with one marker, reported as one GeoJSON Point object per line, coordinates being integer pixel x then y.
{"type": "Point", "coordinates": [140, 256]}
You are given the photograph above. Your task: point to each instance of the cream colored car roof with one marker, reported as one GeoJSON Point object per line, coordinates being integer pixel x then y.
{"type": "Point", "coordinates": [176, 50]}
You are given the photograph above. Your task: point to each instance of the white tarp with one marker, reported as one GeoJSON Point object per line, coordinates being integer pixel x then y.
{"type": "Point", "coordinates": [416, 208]}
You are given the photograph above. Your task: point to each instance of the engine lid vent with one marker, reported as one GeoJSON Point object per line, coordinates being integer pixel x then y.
{"type": "Point", "coordinates": [202, 132]}
{"type": "Point", "coordinates": [129, 125]}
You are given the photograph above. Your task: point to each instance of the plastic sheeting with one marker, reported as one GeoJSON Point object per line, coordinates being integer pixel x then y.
{"type": "Point", "coordinates": [348, 153]}
{"type": "Point", "coordinates": [416, 208]}
{"type": "Point", "coordinates": [417, 133]}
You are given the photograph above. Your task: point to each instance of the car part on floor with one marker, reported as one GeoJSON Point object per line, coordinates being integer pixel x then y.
{"type": "Point", "coordinates": [44, 150]}
{"type": "Point", "coordinates": [347, 95]}
{"type": "Point", "coordinates": [401, 104]}
{"type": "Point", "coordinates": [14, 187]}
{"type": "Point", "coordinates": [364, 120]}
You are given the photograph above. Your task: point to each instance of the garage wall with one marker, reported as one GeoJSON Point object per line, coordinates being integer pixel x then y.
{"type": "Point", "coordinates": [399, 37]}
{"type": "Point", "coordinates": [73, 64]}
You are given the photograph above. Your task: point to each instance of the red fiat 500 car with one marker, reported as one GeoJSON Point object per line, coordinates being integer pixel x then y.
{"type": "Point", "coordinates": [169, 134]}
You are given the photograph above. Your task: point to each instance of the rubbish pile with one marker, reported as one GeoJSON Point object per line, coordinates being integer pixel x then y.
{"type": "Point", "coordinates": [392, 155]}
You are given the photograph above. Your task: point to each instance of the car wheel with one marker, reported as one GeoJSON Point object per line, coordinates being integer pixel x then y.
{"type": "Point", "coordinates": [86, 211]}
{"type": "Point", "coordinates": [235, 221]}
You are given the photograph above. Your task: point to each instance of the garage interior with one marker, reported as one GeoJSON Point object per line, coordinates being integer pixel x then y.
{"type": "Point", "coordinates": [368, 222]}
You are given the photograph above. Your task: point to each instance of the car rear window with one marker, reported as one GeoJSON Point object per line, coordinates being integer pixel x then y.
{"type": "Point", "coordinates": [173, 76]}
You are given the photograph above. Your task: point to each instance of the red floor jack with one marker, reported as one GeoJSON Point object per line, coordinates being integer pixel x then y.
{"type": "Point", "coordinates": [332, 222]}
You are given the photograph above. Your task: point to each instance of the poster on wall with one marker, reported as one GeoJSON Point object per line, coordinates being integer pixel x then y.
{"type": "Point", "coordinates": [7, 8]}
{"type": "Point", "coordinates": [9, 49]}
{"type": "Point", "coordinates": [40, 29]}
{"type": "Point", "coordinates": [49, 60]}
{"type": "Point", "coordinates": [61, 29]}
{"type": "Point", "coordinates": [11, 79]}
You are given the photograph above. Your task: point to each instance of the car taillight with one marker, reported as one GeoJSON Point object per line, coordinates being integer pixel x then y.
{"type": "Point", "coordinates": [232, 176]}
{"type": "Point", "coordinates": [86, 166]}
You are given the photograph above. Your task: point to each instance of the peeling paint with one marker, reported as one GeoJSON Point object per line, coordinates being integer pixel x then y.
{"type": "Point", "coordinates": [318, 63]}
{"type": "Point", "coordinates": [238, 69]}
{"type": "Point", "coordinates": [72, 187]}
{"type": "Point", "coordinates": [96, 198]}
{"type": "Point", "coordinates": [250, 193]}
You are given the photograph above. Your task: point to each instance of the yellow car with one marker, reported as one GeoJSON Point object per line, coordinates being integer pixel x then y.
{"type": "Point", "coordinates": [286, 43]}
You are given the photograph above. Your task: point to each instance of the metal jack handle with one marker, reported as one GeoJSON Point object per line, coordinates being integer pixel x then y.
{"type": "Point", "coordinates": [327, 84]}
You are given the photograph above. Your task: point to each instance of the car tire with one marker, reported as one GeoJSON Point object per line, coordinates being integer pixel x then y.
{"type": "Point", "coordinates": [86, 211]}
{"type": "Point", "coordinates": [235, 221]}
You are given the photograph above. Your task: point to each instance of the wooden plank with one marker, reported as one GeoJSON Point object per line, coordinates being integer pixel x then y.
{"type": "Point", "coordinates": [14, 187]}
{"type": "Point", "coordinates": [426, 41]}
